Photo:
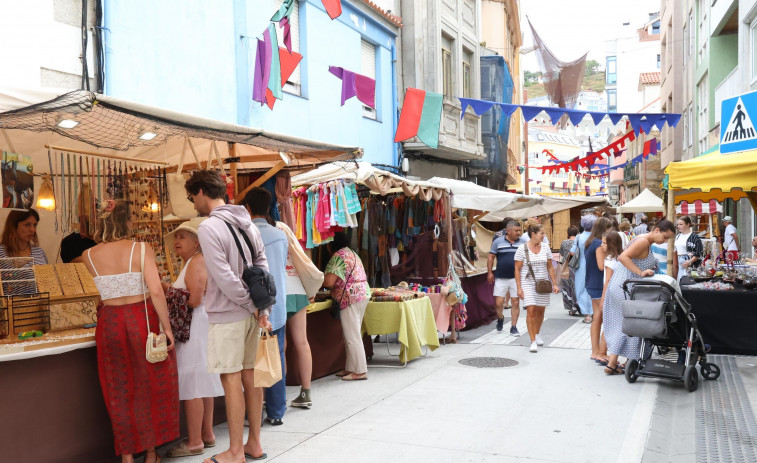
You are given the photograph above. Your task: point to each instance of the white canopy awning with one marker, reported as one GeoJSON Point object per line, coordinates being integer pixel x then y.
{"type": "Point", "coordinates": [468, 195]}
{"type": "Point", "coordinates": [549, 206]}
{"type": "Point", "coordinates": [107, 126]}
{"type": "Point", "coordinates": [645, 202]}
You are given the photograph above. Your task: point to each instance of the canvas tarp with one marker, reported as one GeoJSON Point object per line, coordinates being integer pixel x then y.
{"type": "Point", "coordinates": [468, 195]}
{"type": "Point", "coordinates": [645, 202]}
{"type": "Point", "coordinates": [549, 206]}
{"type": "Point", "coordinates": [29, 120]}
{"type": "Point", "coordinates": [377, 180]}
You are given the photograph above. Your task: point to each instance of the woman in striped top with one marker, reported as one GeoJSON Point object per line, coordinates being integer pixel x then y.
{"type": "Point", "coordinates": [20, 238]}
{"type": "Point", "coordinates": [540, 261]}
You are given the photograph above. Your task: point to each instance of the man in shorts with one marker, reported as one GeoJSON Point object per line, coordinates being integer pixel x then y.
{"type": "Point", "coordinates": [235, 322]}
{"type": "Point", "coordinates": [503, 251]}
{"type": "Point", "coordinates": [730, 240]}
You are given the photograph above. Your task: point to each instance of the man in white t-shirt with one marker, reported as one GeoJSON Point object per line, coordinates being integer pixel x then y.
{"type": "Point", "coordinates": [730, 240]}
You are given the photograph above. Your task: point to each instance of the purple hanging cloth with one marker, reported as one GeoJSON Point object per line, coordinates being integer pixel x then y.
{"type": "Point", "coordinates": [262, 68]}
{"type": "Point", "coordinates": [354, 84]}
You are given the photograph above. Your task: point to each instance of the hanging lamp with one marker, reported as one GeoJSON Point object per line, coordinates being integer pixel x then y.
{"type": "Point", "coordinates": [46, 196]}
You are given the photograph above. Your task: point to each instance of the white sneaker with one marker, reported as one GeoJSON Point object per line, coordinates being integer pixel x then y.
{"type": "Point", "coordinates": [539, 340]}
{"type": "Point", "coordinates": [533, 348]}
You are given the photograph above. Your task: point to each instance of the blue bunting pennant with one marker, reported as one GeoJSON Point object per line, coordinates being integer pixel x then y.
{"type": "Point", "coordinates": [507, 108]}
{"type": "Point", "coordinates": [529, 112]}
{"type": "Point", "coordinates": [635, 121]}
{"type": "Point", "coordinates": [615, 118]}
{"type": "Point", "coordinates": [576, 116]}
{"type": "Point", "coordinates": [554, 114]}
{"type": "Point", "coordinates": [479, 106]}
{"type": "Point", "coordinates": [597, 117]}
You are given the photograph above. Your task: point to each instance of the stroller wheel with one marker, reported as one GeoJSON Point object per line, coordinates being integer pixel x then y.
{"type": "Point", "coordinates": [632, 367]}
{"type": "Point", "coordinates": [710, 371]}
{"type": "Point", "coordinates": [691, 378]}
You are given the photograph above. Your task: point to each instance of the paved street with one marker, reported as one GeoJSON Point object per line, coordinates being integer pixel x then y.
{"type": "Point", "coordinates": [554, 406]}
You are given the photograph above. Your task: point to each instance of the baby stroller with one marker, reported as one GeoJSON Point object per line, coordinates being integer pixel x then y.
{"type": "Point", "coordinates": [655, 312]}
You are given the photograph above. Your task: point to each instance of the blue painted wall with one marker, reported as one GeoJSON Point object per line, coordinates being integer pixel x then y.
{"type": "Point", "coordinates": [197, 56]}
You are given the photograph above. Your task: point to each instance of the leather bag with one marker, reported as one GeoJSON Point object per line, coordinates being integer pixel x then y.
{"type": "Point", "coordinates": [542, 286]}
{"type": "Point", "coordinates": [156, 347]}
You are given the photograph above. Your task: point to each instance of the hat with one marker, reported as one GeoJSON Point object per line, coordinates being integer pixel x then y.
{"type": "Point", "coordinates": [191, 225]}
{"type": "Point", "coordinates": [727, 219]}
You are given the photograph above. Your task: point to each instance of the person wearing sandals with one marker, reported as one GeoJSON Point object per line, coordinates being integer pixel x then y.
{"type": "Point", "coordinates": [345, 278]}
{"type": "Point", "coordinates": [142, 398]}
{"type": "Point", "coordinates": [303, 282]}
{"type": "Point", "coordinates": [583, 300]}
{"type": "Point", "coordinates": [594, 282]}
{"type": "Point", "coordinates": [568, 284]}
{"type": "Point", "coordinates": [637, 261]}
{"type": "Point", "coordinates": [197, 387]}
{"type": "Point", "coordinates": [612, 244]}
{"type": "Point", "coordinates": [536, 265]}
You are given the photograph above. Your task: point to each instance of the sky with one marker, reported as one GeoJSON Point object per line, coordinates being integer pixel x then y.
{"type": "Point", "coordinates": [570, 28]}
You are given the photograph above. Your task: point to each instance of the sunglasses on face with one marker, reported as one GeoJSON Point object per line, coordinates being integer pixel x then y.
{"type": "Point", "coordinates": [190, 198]}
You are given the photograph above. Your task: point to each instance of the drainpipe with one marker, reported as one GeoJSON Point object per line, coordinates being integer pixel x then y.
{"type": "Point", "coordinates": [397, 146]}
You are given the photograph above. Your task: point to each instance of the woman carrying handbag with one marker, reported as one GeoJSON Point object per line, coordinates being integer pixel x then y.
{"type": "Point", "coordinates": [534, 275]}
{"type": "Point", "coordinates": [135, 357]}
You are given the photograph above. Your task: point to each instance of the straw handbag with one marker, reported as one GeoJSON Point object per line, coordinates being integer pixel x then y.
{"type": "Point", "coordinates": [156, 347]}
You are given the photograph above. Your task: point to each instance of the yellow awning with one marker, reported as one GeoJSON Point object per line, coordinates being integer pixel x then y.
{"type": "Point", "coordinates": [718, 176]}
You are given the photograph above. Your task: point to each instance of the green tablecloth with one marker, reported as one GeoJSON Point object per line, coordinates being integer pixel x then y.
{"type": "Point", "coordinates": [413, 320]}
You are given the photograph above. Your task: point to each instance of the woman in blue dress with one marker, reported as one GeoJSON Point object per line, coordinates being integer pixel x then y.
{"type": "Point", "coordinates": [579, 247]}
{"type": "Point", "coordinates": [637, 261]}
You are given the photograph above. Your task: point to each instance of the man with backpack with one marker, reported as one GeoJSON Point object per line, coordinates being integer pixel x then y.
{"type": "Point", "coordinates": [235, 322]}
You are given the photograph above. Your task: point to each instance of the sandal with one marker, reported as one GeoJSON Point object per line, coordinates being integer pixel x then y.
{"type": "Point", "coordinates": [343, 373]}
{"type": "Point", "coordinates": [355, 377]}
{"type": "Point", "coordinates": [616, 370]}
{"type": "Point", "coordinates": [602, 362]}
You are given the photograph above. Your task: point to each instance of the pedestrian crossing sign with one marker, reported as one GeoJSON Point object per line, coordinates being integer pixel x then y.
{"type": "Point", "coordinates": [737, 132]}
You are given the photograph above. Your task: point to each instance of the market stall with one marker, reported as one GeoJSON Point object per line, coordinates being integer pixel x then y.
{"type": "Point", "coordinates": [723, 299]}
{"type": "Point", "coordinates": [74, 150]}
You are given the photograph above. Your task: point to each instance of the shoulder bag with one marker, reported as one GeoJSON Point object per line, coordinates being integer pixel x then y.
{"type": "Point", "coordinates": [260, 283]}
{"type": "Point", "coordinates": [575, 260]}
{"type": "Point", "coordinates": [156, 348]}
{"type": "Point", "coordinates": [542, 286]}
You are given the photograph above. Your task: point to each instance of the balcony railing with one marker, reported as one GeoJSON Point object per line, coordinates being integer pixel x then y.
{"type": "Point", "coordinates": [630, 173]}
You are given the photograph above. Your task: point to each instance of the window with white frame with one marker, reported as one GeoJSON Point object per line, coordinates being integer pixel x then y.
{"type": "Point", "coordinates": [704, 29]}
{"type": "Point", "coordinates": [692, 33]}
{"type": "Point", "coordinates": [753, 53]}
{"type": "Point", "coordinates": [447, 67]}
{"type": "Point", "coordinates": [467, 73]}
{"type": "Point", "coordinates": [368, 69]}
{"type": "Point", "coordinates": [703, 102]}
{"type": "Point", "coordinates": [293, 84]}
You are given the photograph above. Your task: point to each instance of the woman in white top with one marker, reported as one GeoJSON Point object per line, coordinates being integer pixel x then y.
{"type": "Point", "coordinates": [142, 398]}
{"type": "Point", "coordinates": [197, 387]}
{"type": "Point", "coordinates": [303, 281]}
{"type": "Point", "coordinates": [688, 247]}
{"type": "Point", "coordinates": [612, 245]}
{"type": "Point", "coordinates": [540, 260]}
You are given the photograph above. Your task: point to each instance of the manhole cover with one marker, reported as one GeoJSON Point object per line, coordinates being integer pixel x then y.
{"type": "Point", "coordinates": [488, 362]}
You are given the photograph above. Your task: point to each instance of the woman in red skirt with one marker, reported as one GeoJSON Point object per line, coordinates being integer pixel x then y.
{"type": "Point", "coordinates": [142, 398]}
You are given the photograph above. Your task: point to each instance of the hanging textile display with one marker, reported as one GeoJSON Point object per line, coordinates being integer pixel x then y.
{"type": "Point", "coordinates": [421, 116]}
{"type": "Point", "coordinates": [323, 209]}
{"type": "Point", "coordinates": [18, 180]}
{"type": "Point", "coordinates": [266, 86]}
{"type": "Point", "coordinates": [354, 84]}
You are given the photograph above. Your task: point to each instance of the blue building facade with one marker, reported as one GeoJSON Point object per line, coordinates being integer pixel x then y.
{"type": "Point", "coordinates": [198, 57]}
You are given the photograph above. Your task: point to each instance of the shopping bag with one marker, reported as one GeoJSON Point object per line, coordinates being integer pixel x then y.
{"type": "Point", "coordinates": [267, 361]}
{"type": "Point", "coordinates": [177, 194]}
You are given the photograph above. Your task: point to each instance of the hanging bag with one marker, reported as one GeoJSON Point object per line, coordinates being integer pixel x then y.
{"type": "Point", "coordinates": [177, 194]}
{"type": "Point", "coordinates": [156, 348]}
{"type": "Point", "coordinates": [455, 293]}
{"type": "Point", "coordinates": [542, 286]}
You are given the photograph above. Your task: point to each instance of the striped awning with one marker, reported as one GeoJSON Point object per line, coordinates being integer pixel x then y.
{"type": "Point", "coordinates": [699, 207]}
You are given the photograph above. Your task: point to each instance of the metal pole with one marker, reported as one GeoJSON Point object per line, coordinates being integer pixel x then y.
{"type": "Point", "coordinates": [525, 141]}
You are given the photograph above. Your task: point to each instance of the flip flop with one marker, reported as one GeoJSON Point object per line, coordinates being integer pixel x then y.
{"type": "Point", "coordinates": [602, 362]}
{"type": "Point", "coordinates": [261, 457]}
{"type": "Point", "coordinates": [617, 370]}
{"type": "Point", "coordinates": [355, 377]}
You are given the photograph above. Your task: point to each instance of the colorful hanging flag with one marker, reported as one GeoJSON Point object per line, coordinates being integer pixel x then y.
{"type": "Point", "coordinates": [285, 11]}
{"type": "Point", "coordinates": [650, 147]}
{"type": "Point", "coordinates": [421, 116]}
{"type": "Point", "coordinates": [333, 8]}
{"type": "Point", "coordinates": [354, 84]}
{"type": "Point", "coordinates": [266, 83]}
{"type": "Point", "coordinates": [289, 62]}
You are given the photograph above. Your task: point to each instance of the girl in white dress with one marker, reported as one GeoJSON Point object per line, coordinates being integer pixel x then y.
{"type": "Point", "coordinates": [197, 387]}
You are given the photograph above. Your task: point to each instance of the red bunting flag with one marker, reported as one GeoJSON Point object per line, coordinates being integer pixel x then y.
{"type": "Point", "coordinates": [333, 8]}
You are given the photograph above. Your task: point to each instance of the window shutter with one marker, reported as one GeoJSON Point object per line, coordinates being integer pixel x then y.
{"type": "Point", "coordinates": [368, 59]}
{"type": "Point", "coordinates": [294, 25]}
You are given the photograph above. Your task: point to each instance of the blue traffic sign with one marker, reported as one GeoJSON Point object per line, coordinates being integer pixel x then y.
{"type": "Point", "coordinates": [737, 131]}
